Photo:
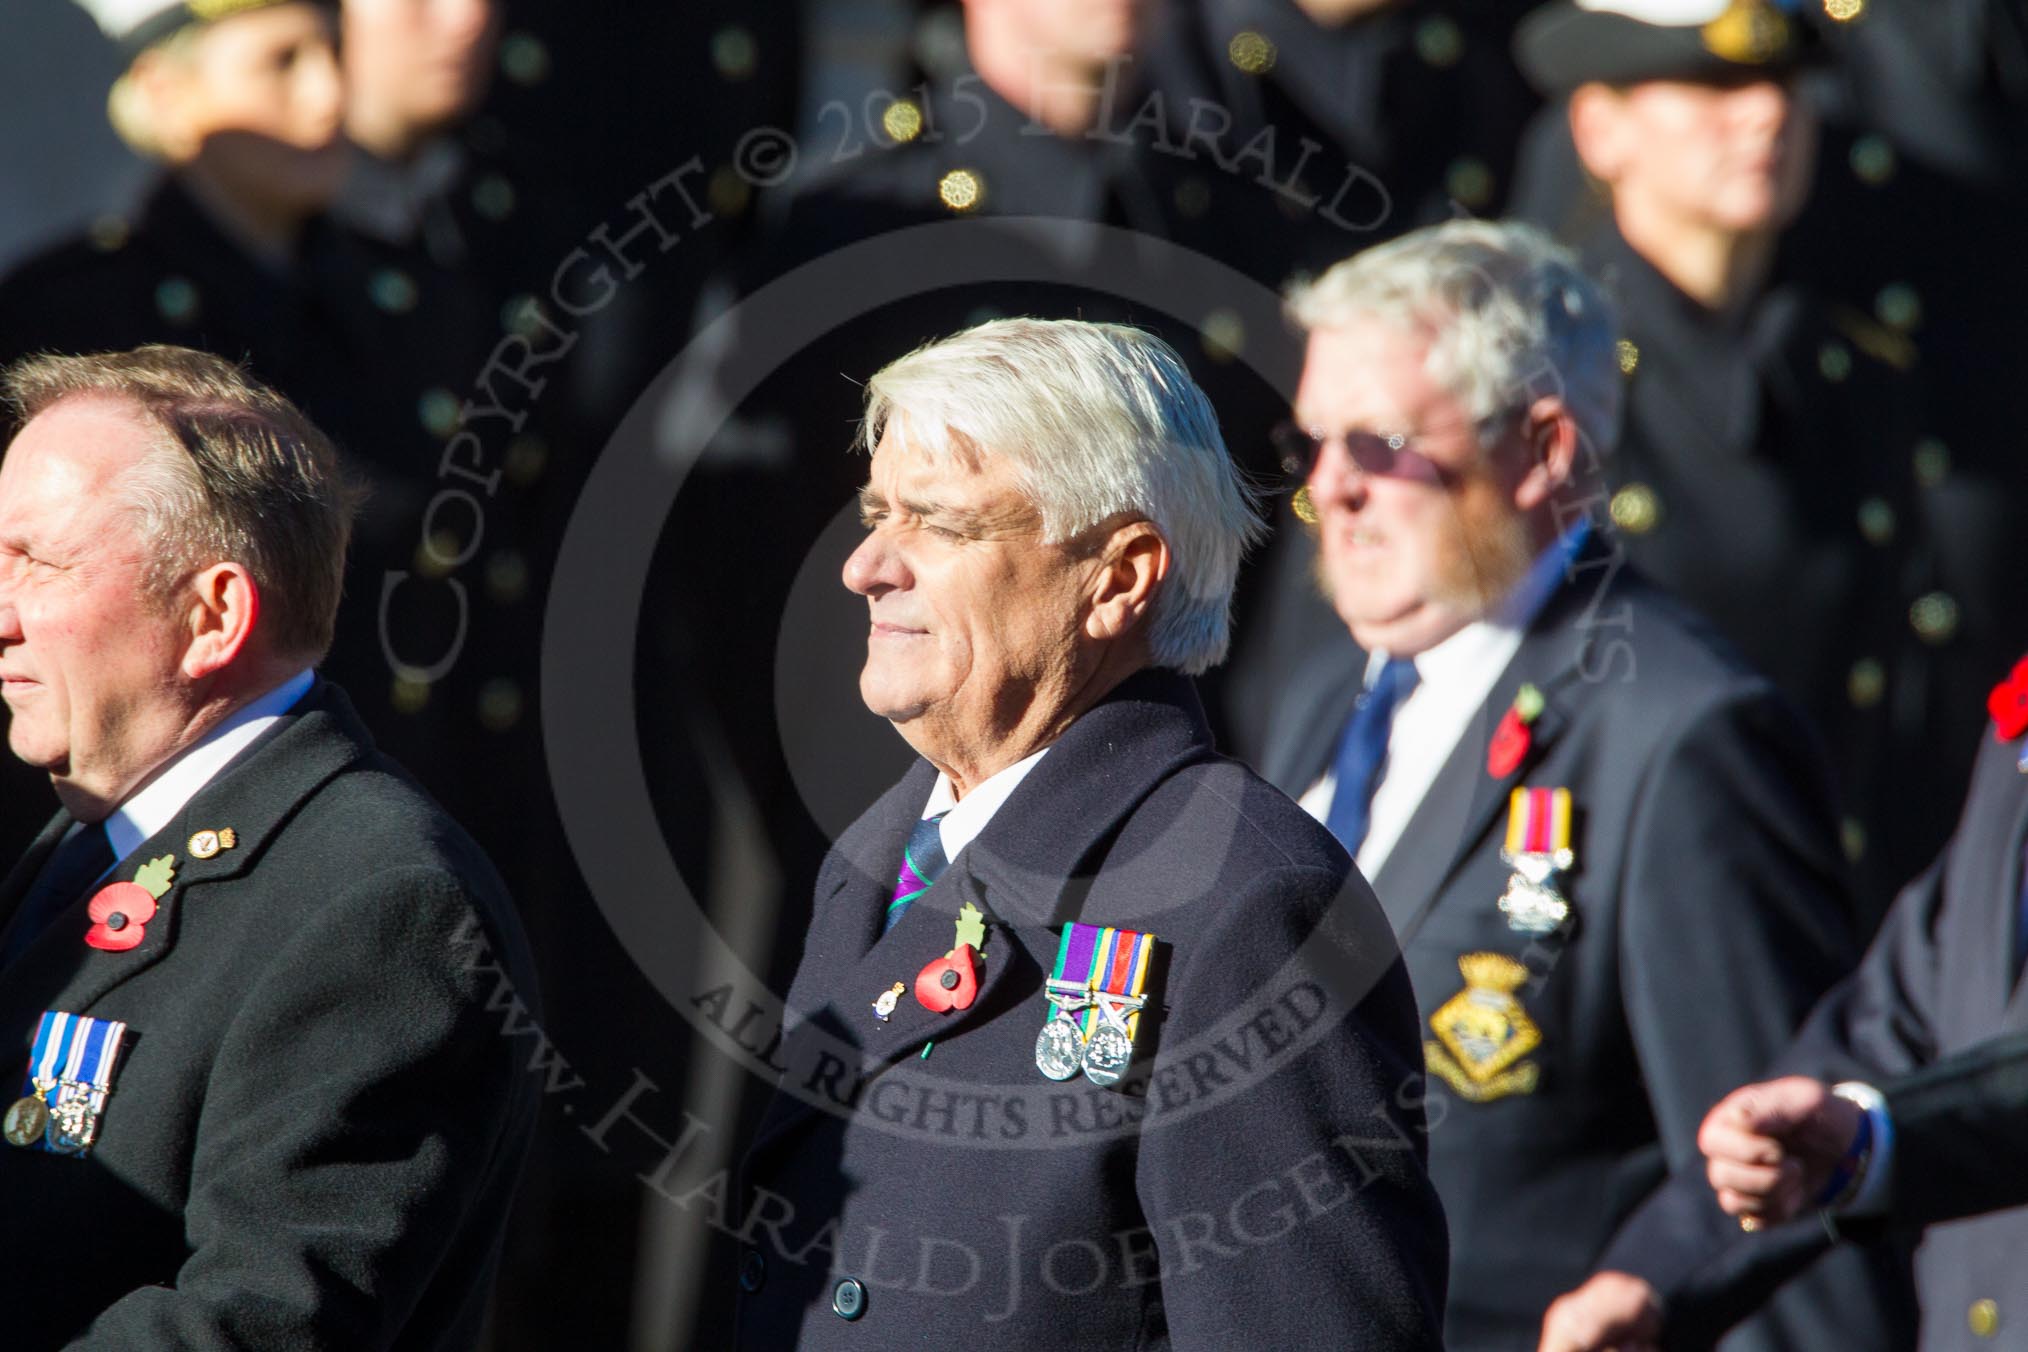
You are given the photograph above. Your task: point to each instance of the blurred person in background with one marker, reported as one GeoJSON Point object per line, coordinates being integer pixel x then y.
{"type": "Point", "coordinates": [233, 251]}
{"type": "Point", "coordinates": [1582, 813]}
{"type": "Point", "coordinates": [1775, 469]}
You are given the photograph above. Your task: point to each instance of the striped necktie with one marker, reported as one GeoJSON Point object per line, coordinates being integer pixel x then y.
{"type": "Point", "coordinates": [922, 863]}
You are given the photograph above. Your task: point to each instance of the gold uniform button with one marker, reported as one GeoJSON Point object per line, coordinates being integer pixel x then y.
{"type": "Point", "coordinates": [176, 300]}
{"type": "Point", "coordinates": [1876, 521]}
{"type": "Point", "coordinates": [1251, 52]}
{"type": "Point", "coordinates": [1635, 509]}
{"type": "Point", "coordinates": [1439, 41]}
{"type": "Point", "coordinates": [961, 190]}
{"type": "Point", "coordinates": [1932, 462]}
{"type": "Point", "coordinates": [1834, 361]}
{"type": "Point", "coordinates": [1866, 683]}
{"type": "Point", "coordinates": [1899, 306]}
{"type": "Point", "coordinates": [1984, 1318]}
{"type": "Point", "coordinates": [1223, 334]}
{"type": "Point", "coordinates": [902, 121]}
{"type": "Point", "coordinates": [1934, 617]}
{"type": "Point", "coordinates": [1872, 160]}
{"type": "Point", "coordinates": [523, 58]}
{"type": "Point", "coordinates": [109, 233]}
{"type": "Point", "coordinates": [1628, 354]}
{"type": "Point", "coordinates": [1470, 181]}
{"type": "Point", "coordinates": [1844, 11]}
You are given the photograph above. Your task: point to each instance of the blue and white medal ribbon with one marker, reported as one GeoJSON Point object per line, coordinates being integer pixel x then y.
{"type": "Point", "coordinates": [70, 1073]}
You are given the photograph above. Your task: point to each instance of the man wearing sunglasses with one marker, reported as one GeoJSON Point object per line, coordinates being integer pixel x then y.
{"type": "Point", "coordinates": [1606, 845]}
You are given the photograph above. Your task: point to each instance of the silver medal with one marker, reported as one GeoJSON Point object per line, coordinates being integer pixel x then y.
{"type": "Point", "coordinates": [1059, 1048]}
{"type": "Point", "coordinates": [1106, 1054]}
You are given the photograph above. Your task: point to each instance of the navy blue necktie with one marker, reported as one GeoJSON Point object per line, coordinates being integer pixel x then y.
{"type": "Point", "coordinates": [76, 865]}
{"type": "Point", "coordinates": [1362, 750]}
{"type": "Point", "coordinates": [922, 863]}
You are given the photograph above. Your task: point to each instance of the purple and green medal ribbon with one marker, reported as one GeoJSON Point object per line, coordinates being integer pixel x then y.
{"type": "Point", "coordinates": [1098, 959]}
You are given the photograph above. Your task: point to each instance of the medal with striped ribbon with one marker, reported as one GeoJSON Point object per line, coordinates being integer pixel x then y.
{"type": "Point", "coordinates": [1538, 850]}
{"type": "Point", "coordinates": [70, 1073]}
{"type": "Point", "coordinates": [1096, 993]}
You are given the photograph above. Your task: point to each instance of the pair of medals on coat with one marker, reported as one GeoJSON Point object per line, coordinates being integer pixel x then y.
{"type": "Point", "coordinates": [70, 1073]}
{"type": "Point", "coordinates": [1096, 989]}
{"type": "Point", "coordinates": [1483, 1033]}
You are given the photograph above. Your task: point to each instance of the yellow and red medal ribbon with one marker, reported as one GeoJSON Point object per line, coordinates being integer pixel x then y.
{"type": "Point", "coordinates": [1538, 821]}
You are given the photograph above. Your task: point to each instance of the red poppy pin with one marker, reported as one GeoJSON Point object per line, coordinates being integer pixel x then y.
{"type": "Point", "coordinates": [2008, 704]}
{"type": "Point", "coordinates": [120, 912]}
{"type": "Point", "coordinates": [1512, 738]}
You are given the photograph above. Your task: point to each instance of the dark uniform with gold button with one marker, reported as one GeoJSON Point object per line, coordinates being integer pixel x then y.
{"type": "Point", "coordinates": [1781, 468]}
{"type": "Point", "coordinates": [1418, 100]}
{"type": "Point", "coordinates": [1943, 976]}
{"type": "Point", "coordinates": [329, 330]}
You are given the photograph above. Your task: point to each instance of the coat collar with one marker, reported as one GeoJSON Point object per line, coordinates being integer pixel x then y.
{"type": "Point", "coordinates": [255, 796]}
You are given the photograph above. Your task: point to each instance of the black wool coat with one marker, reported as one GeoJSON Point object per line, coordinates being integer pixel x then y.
{"type": "Point", "coordinates": [1259, 1177]}
{"type": "Point", "coordinates": [316, 1128]}
{"type": "Point", "coordinates": [1936, 1016]}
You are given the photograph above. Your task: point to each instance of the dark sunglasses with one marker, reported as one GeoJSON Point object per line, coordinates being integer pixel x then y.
{"type": "Point", "coordinates": [1387, 455]}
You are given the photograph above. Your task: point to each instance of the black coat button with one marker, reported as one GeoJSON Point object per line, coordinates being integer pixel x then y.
{"type": "Point", "coordinates": [753, 1270]}
{"type": "Point", "coordinates": [848, 1301]}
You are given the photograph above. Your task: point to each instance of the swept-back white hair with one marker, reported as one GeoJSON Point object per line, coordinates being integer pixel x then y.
{"type": "Point", "coordinates": [1513, 317]}
{"type": "Point", "coordinates": [1097, 420]}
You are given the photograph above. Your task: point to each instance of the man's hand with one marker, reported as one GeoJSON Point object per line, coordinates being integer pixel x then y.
{"type": "Point", "coordinates": [1770, 1148]}
{"type": "Point", "coordinates": [1613, 1312]}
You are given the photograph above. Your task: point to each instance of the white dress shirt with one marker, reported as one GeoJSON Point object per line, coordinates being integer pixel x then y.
{"type": "Point", "coordinates": [964, 820]}
{"type": "Point", "coordinates": [1454, 679]}
{"type": "Point", "coordinates": [155, 806]}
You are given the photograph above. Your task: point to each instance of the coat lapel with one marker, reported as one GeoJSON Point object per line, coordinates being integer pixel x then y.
{"type": "Point", "coordinates": [1302, 744]}
{"type": "Point", "coordinates": [254, 795]}
{"type": "Point", "coordinates": [2009, 878]}
{"type": "Point", "coordinates": [1465, 800]}
{"type": "Point", "coordinates": [25, 871]}
{"type": "Point", "coordinates": [1027, 872]}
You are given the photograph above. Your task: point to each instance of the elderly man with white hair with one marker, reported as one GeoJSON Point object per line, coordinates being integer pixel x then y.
{"type": "Point", "coordinates": [1605, 845]}
{"type": "Point", "coordinates": [1096, 1039]}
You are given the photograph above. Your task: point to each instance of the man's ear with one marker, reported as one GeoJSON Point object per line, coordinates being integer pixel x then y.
{"type": "Point", "coordinates": [1600, 131]}
{"type": "Point", "coordinates": [224, 606]}
{"type": "Point", "coordinates": [1550, 435]}
{"type": "Point", "coordinates": [1132, 564]}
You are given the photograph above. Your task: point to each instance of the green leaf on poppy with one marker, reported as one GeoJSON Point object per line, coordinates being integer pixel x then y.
{"type": "Point", "coordinates": [971, 927]}
{"type": "Point", "coordinates": [157, 874]}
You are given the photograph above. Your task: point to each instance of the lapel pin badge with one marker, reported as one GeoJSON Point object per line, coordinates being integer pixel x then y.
{"type": "Point", "coordinates": [207, 843]}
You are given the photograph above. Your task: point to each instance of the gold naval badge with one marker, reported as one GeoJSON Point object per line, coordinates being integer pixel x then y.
{"type": "Point", "coordinates": [207, 843]}
{"type": "Point", "coordinates": [1483, 1033]}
